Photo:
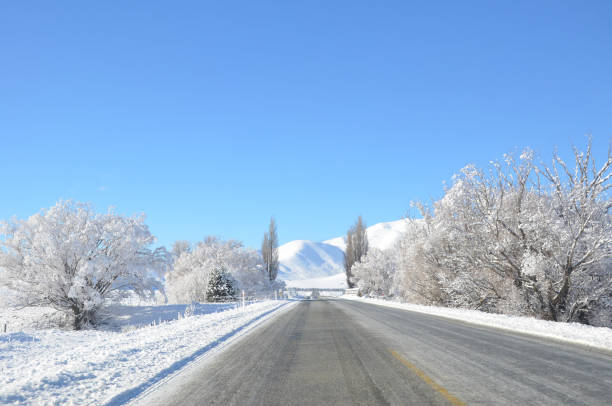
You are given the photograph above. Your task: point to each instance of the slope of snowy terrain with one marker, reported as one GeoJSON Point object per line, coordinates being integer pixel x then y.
{"type": "Point", "coordinates": [337, 242]}
{"type": "Point", "coordinates": [303, 259]}
{"type": "Point", "coordinates": [111, 367]}
{"type": "Point", "coordinates": [382, 235]}
{"type": "Point", "coordinates": [321, 263]}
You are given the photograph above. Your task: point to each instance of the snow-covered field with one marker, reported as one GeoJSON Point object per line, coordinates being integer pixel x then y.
{"type": "Point", "coordinates": [83, 367]}
{"type": "Point", "coordinates": [598, 337]}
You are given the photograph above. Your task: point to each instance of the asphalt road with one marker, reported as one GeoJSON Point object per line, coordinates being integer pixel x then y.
{"type": "Point", "coordinates": [338, 352]}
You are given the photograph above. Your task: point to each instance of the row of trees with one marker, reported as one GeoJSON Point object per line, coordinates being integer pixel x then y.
{"type": "Point", "coordinates": [519, 237]}
{"type": "Point", "coordinates": [75, 260]}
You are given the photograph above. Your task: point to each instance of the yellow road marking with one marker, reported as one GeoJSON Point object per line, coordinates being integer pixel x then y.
{"type": "Point", "coordinates": [440, 389]}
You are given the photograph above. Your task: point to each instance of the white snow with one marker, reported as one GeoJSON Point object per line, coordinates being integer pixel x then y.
{"type": "Point", "coordinates": [92, 366]}
{"type": "Point", "coordinates": [597, 337]}
{"type": "Point", "coordinates": [382, 235]}
{"type": "Point", "coordinates": [337, 281]}
{"type": "Point", "coordinates": [337, 242]}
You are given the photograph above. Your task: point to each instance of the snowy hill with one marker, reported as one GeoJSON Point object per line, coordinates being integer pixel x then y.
{"type": "Point", "coordinates": [320, 263]}
{"type": "Point", "coordinates": [303, 259]}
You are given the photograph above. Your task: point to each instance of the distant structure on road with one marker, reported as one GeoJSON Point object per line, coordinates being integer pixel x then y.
{"type": "Point", "coordinates": [294, 292]}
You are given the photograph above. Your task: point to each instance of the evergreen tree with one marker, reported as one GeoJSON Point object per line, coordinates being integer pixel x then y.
{"type": "Point", "coordinates": [221, 286]}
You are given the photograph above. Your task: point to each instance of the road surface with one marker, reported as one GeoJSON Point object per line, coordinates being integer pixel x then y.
{"type": "Point", "coordinates": [340, 352]}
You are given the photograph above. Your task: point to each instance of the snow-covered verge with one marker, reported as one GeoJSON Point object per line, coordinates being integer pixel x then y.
{"type": "Point", "coordinates": [14, 320]}
{"type": "Point", "coordinates": [597, 337]}
{"type": "Point", "coordinates": [100, 367]}
{"type": "Point", "coordinates": [130, 314]}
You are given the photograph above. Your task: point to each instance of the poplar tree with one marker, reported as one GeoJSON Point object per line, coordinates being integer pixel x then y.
{"type": "Point", "coordinates": [356, 248]}
{"type": "Point", "coordinates": [269, 250]}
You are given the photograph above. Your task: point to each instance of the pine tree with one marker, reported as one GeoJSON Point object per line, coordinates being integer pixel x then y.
{"type": "Point", "coordinates": [221, 286]}
{"type": "Point", "coordinates": [269, 250]}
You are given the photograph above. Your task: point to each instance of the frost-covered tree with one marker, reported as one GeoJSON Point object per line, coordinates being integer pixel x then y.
{"type": "Point", "coordinates": [375, 273]}
{"type": "Point", "coordinates": [221, 286]}
{"type": "Point", "coordinates": [574, 266]}
{"type": "Point", "coordinates": [189, 278]}
{"type": "Point", "coordinates": [179, 247]}
{"type": "Point", "coordinates": [418, 276]}
{"type": "Point", "coordinates": [518, 238]}
{"type": "Point", "coordinates": [356, 248]}
{"type": "Point", "coordinates": [469, 246]}
{"type": "Point", "coordinates": [72, 259]}
{"type": "Point", "coordinates": [269, 250]}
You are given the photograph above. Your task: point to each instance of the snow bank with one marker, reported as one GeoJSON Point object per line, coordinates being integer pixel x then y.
{"type": "Point", "coordinates": [84, 367]}
{"type": "Point", "coordinates": [598, 337]}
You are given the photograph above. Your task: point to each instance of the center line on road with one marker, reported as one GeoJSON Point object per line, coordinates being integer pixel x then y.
{"type": "Point", "coordinates": [438, 388]}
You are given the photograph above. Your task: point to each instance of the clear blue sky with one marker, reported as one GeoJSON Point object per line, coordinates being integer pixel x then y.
{"type": "Point", "coordinates": [212, 116]}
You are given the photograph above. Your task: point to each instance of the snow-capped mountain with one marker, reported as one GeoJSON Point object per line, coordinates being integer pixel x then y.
{"type": "Point", "coordinates": [302, 259]}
